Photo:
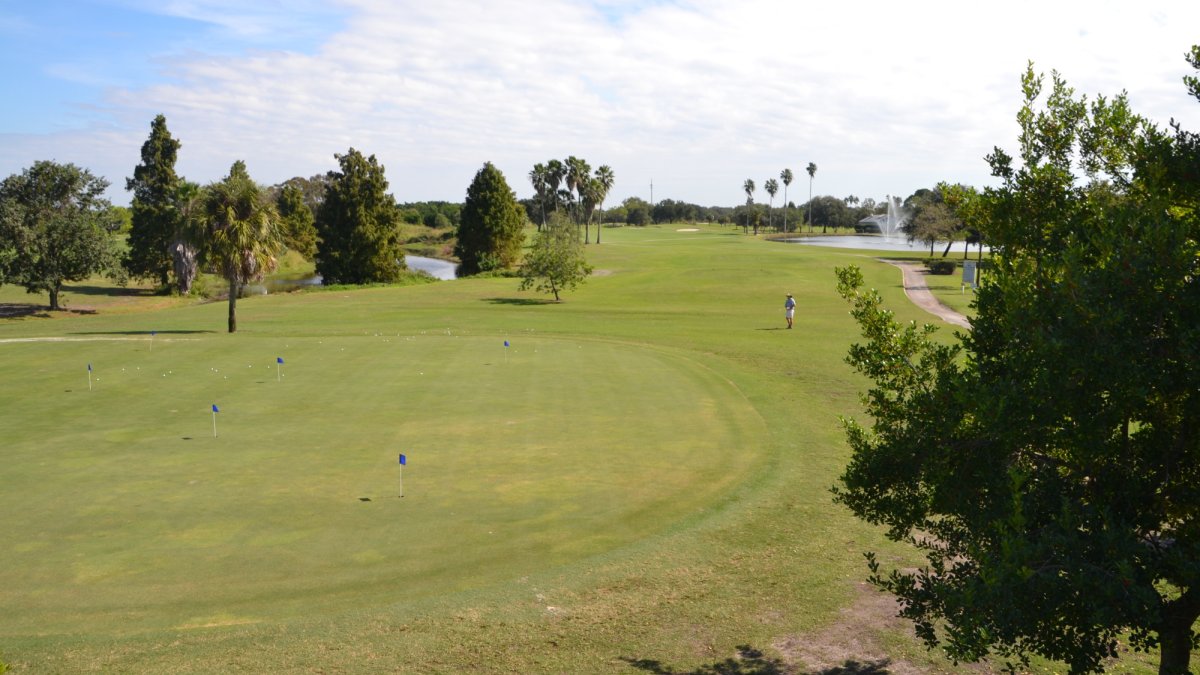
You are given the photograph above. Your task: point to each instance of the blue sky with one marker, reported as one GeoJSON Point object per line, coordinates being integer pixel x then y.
{"type": "Point", "coordinates": [696, 95]}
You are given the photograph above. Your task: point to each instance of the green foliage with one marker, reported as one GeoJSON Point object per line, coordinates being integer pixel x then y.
{"type": "Point", "coordinates": [154, 219]}
{"type": "Point", "coordinates": [492, 229]}
{"type": "Point", "coordinates": [940, 266]}
{"type": "Point", "coordinates": [637, 211]}
{"type": "Point", "coordinates": [358, 225]}
{"type": "Point", "coordinates": [52, 228]}
{"type": "Point", "coordinates": [240, 235]}
{"type": "Point", "coordinates": [1051, 479]}
{"type": "Point", "coordinates": [296, 222]}
{"type": "Point", "coordinates": [555, 263]}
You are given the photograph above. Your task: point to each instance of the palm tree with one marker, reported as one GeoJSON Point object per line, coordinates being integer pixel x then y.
{"type": "Point", "coordinates": [240, 232]}
{"type": "Point", "coordinates": [188, 202]}
{"type": "Point", "coordinates": [604, 181]}
{"type": "Point", "coordinates": [578, 173]}
{"type": "Point", "coordinates": [540, 180]}
{"type": "Point", "coordinates": [812, 171]}
{"type": "Point", "coordinates": [771, 186]}
{"type": "Point", "coordinates": [555, 173]}
{"type": "Point", "coordinates": [748, 186]}
{"type": "Point", "coordinates": [786, 177]}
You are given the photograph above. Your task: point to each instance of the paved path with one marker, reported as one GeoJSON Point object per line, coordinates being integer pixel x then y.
{"type": "Point", "coordinates": [918, 291]}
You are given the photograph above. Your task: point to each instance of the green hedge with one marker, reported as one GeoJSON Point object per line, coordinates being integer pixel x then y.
{"type": "Point", "coordinates": [941, 265]}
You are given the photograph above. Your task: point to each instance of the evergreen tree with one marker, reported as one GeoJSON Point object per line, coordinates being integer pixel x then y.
{"type": "Point", "coordinates": [296, 222]}
{"type": "Point", "coordinates": [154, 219]}
{"type": "Point", "coordinates": [358, 225]}
{"type": "Point", "coordinates": [492, 229]}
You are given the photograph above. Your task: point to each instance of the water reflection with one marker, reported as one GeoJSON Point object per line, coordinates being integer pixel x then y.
{"type": "Point", "coordinates": [439, 269]}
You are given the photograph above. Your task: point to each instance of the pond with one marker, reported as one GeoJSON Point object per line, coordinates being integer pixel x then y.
{"type": "Point", "coordinates": [872, 242]}
{"type": "Point", "coordinates": [440, 269]}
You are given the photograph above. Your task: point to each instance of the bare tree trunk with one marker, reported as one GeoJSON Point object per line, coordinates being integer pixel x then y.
{"type": "Point", "coordinates": [1175, 633]}
{"type": "Point", "coordinates": [234, 289]}
{"type": "Point", "coordinates": [54, 291]}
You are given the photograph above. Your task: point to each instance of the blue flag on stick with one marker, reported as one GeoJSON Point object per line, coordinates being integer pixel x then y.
{"type": "Point", "coordinates": [215, 408]}
{"type": "Point", "coordinates": [403, 459]}
{"type": "Point", "coordinates": [278, 359]}
{"type": "Point", "coordinates": [89, 367]}
{"type": "Point", "coordinates": [506, 343]}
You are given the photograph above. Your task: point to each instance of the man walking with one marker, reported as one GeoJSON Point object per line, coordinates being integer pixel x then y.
{"type": "Point", "coordinates": [789, 309]}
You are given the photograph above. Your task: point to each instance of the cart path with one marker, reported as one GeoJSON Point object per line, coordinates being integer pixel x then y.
{"type": "Point", "coordinates": [918, 291]}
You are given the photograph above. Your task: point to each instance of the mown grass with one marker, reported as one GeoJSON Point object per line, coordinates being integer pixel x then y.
{"type": "Point", "coordinates": [642, 477]}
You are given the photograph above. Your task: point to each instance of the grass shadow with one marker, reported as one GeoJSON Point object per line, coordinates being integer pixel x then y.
{"type": "Point", "coordinates": [141, 332]}
{"type": "Point", "coordinates": [750, 661]}
{"type": "Point", "coordinates": [115, 291]}
{"type": "Point", "coordinates": [520, 302]}
{"type": "Point", "coordinates": [17, 310]}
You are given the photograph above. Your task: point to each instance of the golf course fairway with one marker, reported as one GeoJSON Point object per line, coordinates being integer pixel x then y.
{"type": "Point", "coordinates": [638, 482]}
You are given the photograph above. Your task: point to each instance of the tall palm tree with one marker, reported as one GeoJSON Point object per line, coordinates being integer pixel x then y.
{"type": "Point", "coordinates": [540, 180]}
{"type": "Point", "coordinates": [578, 173]}
{"type": "Point", "coordinates": [555, 173]}
{"type": "Point", "coordinates": [786, 177]}
{"type": "Point", "coordinates": [812, 171]}
{"type": "Point", "coordinates": [589, 197]}
{"type": "Point", "coordinates": [748, 186]}
{"type": "Point", "coordinates": [188, 202]}
{"type": "Point", "coordinates": [771, 186]}
{"type": "Point", "coordinates": [604, 180]}
{"type": "Point", "coordinates": [240, 232]}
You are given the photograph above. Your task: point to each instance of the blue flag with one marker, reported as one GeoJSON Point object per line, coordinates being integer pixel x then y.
{"type": "Point", "coordinates": [215, 408]}
{"type": "Point", "coordinates": [89, 367]}
{"type": "Point", "coordinates": [506, 343]}
{"type": "Point", "coordinates": [153, 333]}
{"type": "Point", "coordinates": [278, 359]}
{"type": "Point", "coordinates": [403, 459]}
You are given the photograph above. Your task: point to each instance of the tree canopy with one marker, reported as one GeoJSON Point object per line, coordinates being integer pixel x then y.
{"type": "Point", "coordinates": [296, 221]}
{"type": "Point", "coordinates": [52, 228]}
{"type": "Point", "coordinates": [491, 231]}
{"type": "Point", "coordinates": [154, 220]}
{"type": "Point", "coordinates": [1052, 476]}
{"type": "Point", "coordinates": [240, 233]}
{"type": "Point", "coordinates": [555, 263]}
{"type": "Point", "coordinates": [357, 223]}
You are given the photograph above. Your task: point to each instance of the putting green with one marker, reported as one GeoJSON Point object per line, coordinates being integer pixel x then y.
{"type": "Point", "coordinates": [125, 514]}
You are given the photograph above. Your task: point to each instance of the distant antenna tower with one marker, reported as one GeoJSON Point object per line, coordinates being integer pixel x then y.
{"type": "Point", "coordinates": [652, 193]}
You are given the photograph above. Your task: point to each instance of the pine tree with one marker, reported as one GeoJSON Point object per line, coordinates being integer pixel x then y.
{"type": "Point", "coordinates": [492, 228]}
{"type": "Point", "coordinates": [358, 225]}
{"type": "Point", "coordinates": [296, 222]}
{"type": "Point", "coordinates": [155, 219]}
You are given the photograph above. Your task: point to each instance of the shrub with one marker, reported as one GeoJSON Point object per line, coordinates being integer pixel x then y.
{"type": "Point", "coordinates": [940, 265]}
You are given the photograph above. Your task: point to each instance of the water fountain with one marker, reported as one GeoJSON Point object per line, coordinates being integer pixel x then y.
{"type": "Point", "coordinates": [897, 216]}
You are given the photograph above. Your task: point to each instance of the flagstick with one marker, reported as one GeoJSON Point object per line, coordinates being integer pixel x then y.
{"type": "Point", "coordinates": [402, 481]}
{"type": "Point", "coordinates": [214, 424]}
{"type": "Point", "coordinates": [151, 342]}
{"type": "Point", "coordinates": [89, 377]}
{"type": "Point", "coordinates": [278, 377]}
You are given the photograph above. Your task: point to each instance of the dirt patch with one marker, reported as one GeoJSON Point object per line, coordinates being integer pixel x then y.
{"type": "Point", "coordinates": [852, 643]}
{"type": "Point", "coordinates": [602, 273]}
{"type": "Point", "coordinates": [855, 642]}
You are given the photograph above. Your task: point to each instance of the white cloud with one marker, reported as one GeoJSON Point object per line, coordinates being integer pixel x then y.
{"type": "Point", "coordinates": [885, 98]}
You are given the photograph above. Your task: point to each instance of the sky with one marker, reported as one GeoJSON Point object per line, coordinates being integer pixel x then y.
{"type": "Point", "coordinates": [692, 96]}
